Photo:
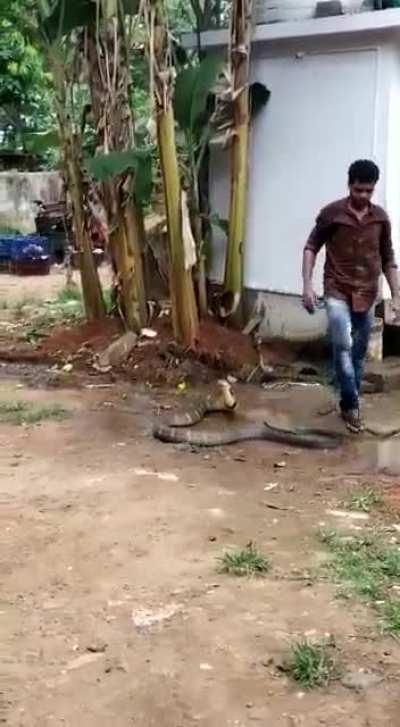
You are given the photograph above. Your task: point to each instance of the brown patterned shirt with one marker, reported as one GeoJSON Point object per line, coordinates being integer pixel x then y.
{"type": "Point", "coordinates": [356, 252]}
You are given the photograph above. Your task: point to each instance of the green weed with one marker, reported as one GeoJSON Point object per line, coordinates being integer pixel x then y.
{"type": "Point", "coordinates": [245, 562]}
{"type": "Point", "coordinates": [108, 300]}
{"type": "Point", "coordinates": [311, 665]}
{"type": "Point", "coordinates": [21, 303]}
{"type": "Point", "coordinates": [391, 616]}
{"type": "Point", "coordinates": [66, 295]}
{"type": "Point", "coordinates": [365, 565]}
{"type": "Point", "coordinates": [22, 412]}
{"type": "Point", "coordinates": [364, 500]}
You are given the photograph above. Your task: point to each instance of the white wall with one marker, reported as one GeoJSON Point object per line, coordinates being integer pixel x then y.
{"type": "Point", "coordinates": [329, 105]}
{"type": "Point", "coordinates": [219, 201]}
{"type": "Point", "coordinates": [392, 152]}
{"type": "Point", "coordinates": [320, 118]}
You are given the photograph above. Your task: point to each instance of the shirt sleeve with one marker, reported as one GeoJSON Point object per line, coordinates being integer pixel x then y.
{"type": "Point", "coordinates": [320, 234]}
{"type": "Point", "coordinates": [387, 252]}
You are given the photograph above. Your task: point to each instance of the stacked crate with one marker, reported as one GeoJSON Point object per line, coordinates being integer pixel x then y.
{"type": "Point", "coordinates": [29, 255]}
{"type": "Point", "coordinates": [5, 252]}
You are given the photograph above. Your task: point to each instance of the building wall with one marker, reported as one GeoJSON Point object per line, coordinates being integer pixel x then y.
{"type": "Point", "coordinates": [18, 192]}
{"type": "Point", "coordinates": [331, 102]}
{"type": "Point", "coordinates": [391, 71]}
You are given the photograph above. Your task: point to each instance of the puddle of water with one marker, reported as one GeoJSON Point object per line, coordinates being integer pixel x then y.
{"type": "Point", "coordinates": [382, 456]}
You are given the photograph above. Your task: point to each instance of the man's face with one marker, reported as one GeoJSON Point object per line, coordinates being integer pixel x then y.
{"type": "Point", "coordinates": [360, 194]}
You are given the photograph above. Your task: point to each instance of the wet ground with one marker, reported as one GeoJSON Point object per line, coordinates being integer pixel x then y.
{"type": "Point", "coordinates": [382, 456]}
{"type": "Point", "coordinates": [113, 611]}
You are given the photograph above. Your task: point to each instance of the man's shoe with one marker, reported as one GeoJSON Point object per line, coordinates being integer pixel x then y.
{"type": "Point", "coordinates": [353, 421]}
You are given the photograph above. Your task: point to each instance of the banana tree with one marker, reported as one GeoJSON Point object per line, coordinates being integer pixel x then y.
{"type": "Point", "coordinates": [193, 86]}
{"type": "Point", "coordinates": [99, 29]}
{"type": "Point", "coordinates": [239, 58]}
{"type": "Point", "coordinates": [61, 54]}
{"type": "Point", "coordinates": [182, 254]}
{"type": "Point", "coordinates": [107, 49]}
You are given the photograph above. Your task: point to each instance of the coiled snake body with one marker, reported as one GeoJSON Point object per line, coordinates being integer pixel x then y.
{"type": "Point", "coordinates": [178, 429]}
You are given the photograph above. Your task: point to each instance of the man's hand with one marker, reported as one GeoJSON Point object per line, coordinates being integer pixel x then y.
{"type": "Point", "coordinates": [310, 299]}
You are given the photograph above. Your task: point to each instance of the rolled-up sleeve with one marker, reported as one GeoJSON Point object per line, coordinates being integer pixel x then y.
{"type": "Point", "coordinates": [387, 252]}
{"type": "Point", "coordinates": [320, 234]}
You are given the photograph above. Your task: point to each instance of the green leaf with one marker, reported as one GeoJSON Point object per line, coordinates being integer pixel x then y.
{"type": "Point", "coordinates": [41, 141]}
{"type": "Point", "coordinates": [131, 7]}
{"type": "Point", "coordinates": [143, 182]}
{"type": "Point", "coordinates": [106, 166]}
{"type": "Point", "coordinates": [68, 15]}
{"type": "Point", "coordinates": [208, 73]}
{"type": "Point", "coordinates": [110, 8]}
{"type": "Point", "coordinates": [134, 161]}
{"type": "Point", "coordinates": [192, 88]}
{"type": "Point", "coordinates": [183, 98]}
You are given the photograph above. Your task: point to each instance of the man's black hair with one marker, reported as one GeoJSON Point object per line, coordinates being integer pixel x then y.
{"type": "Point", "coordinates": [364, 171]}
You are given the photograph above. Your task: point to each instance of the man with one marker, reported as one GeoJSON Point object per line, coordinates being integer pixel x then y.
{"type": "Point", "coordinates": [357, 236]}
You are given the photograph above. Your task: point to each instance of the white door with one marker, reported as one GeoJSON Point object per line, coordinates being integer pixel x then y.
{"type": "Point", "coordinates": [320, 118]}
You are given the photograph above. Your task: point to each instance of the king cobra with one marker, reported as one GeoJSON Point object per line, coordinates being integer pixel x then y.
{"type": "Point", "coordinates": [178, 429]}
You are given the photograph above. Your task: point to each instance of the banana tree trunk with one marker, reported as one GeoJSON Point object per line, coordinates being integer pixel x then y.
{"type": "Point", "coordinates": [108, 72]}
{"type": "Point", "coordinates": [184, 309]}
{"type": "Point", "coordinates": [197, 227]}
{"type": "Point", "coordinates": [241, 26]}
{"type": "Point", "coordinates": [91, 288]}
{"type": "Point", "coordinates": [181, 256]}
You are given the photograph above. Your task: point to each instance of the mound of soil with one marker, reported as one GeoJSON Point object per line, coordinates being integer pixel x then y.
{"type": "Point", "coordinates": [219, 351]}
{"type": "Point", "coordinates": [94, 335]}
{"type": "Point", "coordinates": [225, 349]}
{"type": "Point", "coordinates": [159, 360]}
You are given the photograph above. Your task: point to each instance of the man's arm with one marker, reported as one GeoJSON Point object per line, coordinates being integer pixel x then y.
{"type": "Point", "coordinates": [389, 266]}
{"type": "Point", "coordinates": [309, 296]}
{"type": "Point", "coordinates": [392, 276]}
{"type": "Point", "coordinates": [315, 242]}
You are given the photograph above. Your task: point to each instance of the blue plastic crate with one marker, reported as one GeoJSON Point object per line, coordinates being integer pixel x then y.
{"type": "Point", "coordinates": [5, 246]}
{"type": "Point", "coordinates": [29, 247]}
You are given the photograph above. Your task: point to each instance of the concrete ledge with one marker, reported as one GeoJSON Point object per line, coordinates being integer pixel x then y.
{"type": "Point", "coordinates": [387, 21]}
{"type": "Point", "coordinates": [283, 318]}
{"type": "Point", "coordinates": [385, 375]}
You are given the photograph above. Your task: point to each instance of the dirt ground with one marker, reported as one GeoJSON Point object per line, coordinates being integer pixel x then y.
{"type": "Point", "coordinates": [113, 611]}
{"type": "Point", "coordinates": [41, 287]}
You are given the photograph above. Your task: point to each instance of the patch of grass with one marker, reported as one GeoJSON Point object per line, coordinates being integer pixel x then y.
{"type": "Point", "coordinates": [22, 412]}
{"type": "Point", "coordinates": [244, 562]}
{"type": "Point", "coordinates": [67, 308]}
{"type": "Point", "coordinates": [66, 295]}
{"type": "Point", "coordinates": [312, 665]}
{"type": "Point", "coordinates": [391, 617]}
{"type": "Point", "coordinates": [364, 500]}
{"type": "Point", "coordinates": [33, 334]}
{"type": "Point", "coordinates": [108, 300]}
{"type": "Point", "coordinates": [21, 303]}
{"type": "Point", "coordinates": [37, 329]}
{"type": "Point", "coordinates": [366, 565]}
{"type": "Point", "coordinates": [4, 304]}
{"type": "Point", "coordinates": [68, 305]}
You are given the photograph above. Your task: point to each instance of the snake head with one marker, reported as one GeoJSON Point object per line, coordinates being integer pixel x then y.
{"type": "Point", "coordinates": [229, 399]}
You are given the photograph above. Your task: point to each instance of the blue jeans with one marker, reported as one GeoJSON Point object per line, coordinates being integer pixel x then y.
{"type": "Point", "coordinates": [349, 332]}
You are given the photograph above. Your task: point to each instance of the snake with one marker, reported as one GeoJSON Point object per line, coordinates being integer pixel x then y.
{"type": "Point", "coordinates": [180, 428]}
